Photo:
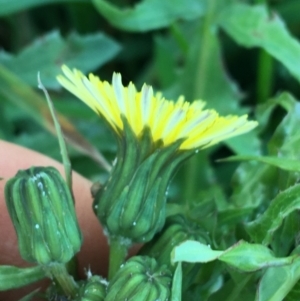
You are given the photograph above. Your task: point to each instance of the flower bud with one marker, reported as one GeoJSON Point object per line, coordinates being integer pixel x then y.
{"type": "Point", "coordinates": [132, 203]}
{"type": "Point", "coordinates": [176, 230]}
{"type": "Point", "coordinates": [140, 279]}
{"type": "Point", "coordinates": [42, 210]}
{"type": "Point", "coordinates": [94, 289]}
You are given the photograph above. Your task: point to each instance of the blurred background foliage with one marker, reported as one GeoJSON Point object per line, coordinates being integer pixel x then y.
{"type": "Point", "coordinates": [241, 57]}
{"type": "Point", "coordinates": [211, 50]}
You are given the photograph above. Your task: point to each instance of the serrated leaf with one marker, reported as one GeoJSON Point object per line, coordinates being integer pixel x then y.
{"type": "Point", "coordinates": [48, 53]}
{"type": "Point", "coordinates": [277, 282]}
{"type": "Point", "coordinates": [283, 163]}
{"type": "Point", "coordinates": [150, 14]}
{"type": "Point", "coordinates": [252, 257]}
{"type": "Point", "coordinates": [13, 277]}
{"type": "Point", "coordinates": [9, 7]}
{"type": "Point", "coordinates": [193, 251]}
{"type": "Point", "coordinates": [261, 230]}
{"type": "Point", "coordinates": [253, 26]}
{"type": "Point", "coordinates": [243, 256]}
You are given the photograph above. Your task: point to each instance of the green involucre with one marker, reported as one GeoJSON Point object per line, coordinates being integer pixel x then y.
{"type": "Point", "coordinates": [140, 279]}
{"type": "Point", "coordinates": [132, 203]}
{"type": "Point", "coordinates": [42, 210]}
{"type": "Point", "coordinates": [94, 289]}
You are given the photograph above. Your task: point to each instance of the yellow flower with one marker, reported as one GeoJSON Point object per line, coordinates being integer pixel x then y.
{"type": "Point", "coordinates": [168, 121]}
{"type": "Point", "coordinates": [156, 136]}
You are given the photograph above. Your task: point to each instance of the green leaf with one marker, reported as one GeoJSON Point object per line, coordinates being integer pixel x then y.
{"type": "Point", "coordinates": [284, 238]}
{"type": "Point", "coordinates": [277, 282]}
{"type": "Point", "coordinates": [261, 230]}
{"type": "Point", "coordinates": [246, 144]}
{"type": "Point", "coordinates": [243, 256]}
{"type": "Point", "coordinates": [47, 54]}
{"type": "Point", "coordinates": [235, 290]}
{"type": "Point", "coordinates": [13, 277]}
{"type": "Point", "coordinates": [150, 14]}
{"type": "Point", "coordinates": [253, 26]}
{"type": "Point", "coordinates": [60, 137]}
{"type": "Point", "coordinates": [252, 257]}
{"type": "Point", "coordinates": [264, 111]}
{"type": "Point", "coordinates": [286, 138]}
{"type": "Point", "coordinates": [193, 251]}
{"type": "Point", "coordinates": [253, 184]}
{"type": "Point", "coordinates": [17, 92]}
{"type": "Point", "coordinates": [177, 283]}
{"type": "Point", "coordinates": [9, 7]}
{"type": "Point", "coordinates": [232, 216]}
{"type": "Point", "coordinates": [286, 164]}
{"type": "Point", "coordinates": [165, 59]}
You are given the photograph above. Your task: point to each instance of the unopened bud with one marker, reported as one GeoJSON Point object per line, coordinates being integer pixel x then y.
{"type": "Point", "coordinates": [140, 279]}
{"type": "Point", "coordinates": [42, 210]}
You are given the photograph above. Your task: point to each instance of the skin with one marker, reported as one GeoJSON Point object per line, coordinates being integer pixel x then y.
{"type": "Point", "coordinates": [94, 252]}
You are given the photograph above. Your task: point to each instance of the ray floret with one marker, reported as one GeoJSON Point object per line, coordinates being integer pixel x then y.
{"type": "Point", "coordinates": [168, 121]}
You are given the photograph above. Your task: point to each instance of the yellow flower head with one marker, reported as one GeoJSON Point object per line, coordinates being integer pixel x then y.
{"type": "Point", "coordinates": [168, 121]}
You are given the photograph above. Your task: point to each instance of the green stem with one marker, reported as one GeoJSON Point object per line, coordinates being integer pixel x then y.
{"type": "Point", "coordinates": [118, 250]}
{"type": "Point", "coordinates": [203, 64]}
{"type": "Point", "coordinates": [264, 70]}
{"type": "Point", "coordinates": [264, 76]}
{"type": "Point", "coordinates": [59, 272]}
{"type": "Point", "coordinates": [200, 82]}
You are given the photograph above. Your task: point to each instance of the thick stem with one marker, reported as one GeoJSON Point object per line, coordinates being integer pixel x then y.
{"type": "Point", "coordinates": [59, 272]}
{"type": "Point", "coordinates": [118, 249]}
{"type": "Point", "coordinates": [202, 66]}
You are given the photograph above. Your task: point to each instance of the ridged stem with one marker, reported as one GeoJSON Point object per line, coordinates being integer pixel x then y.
{"type": "Point", "coordinates": [118, 250]}
{"type": "Point", "coordinates": [59, 272]}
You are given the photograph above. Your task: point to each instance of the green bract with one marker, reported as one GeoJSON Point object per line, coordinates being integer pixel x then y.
{"type": "Point", "coordinates": [132, 203]}
{"type": "Point", "coordinates": [140, 279]}
{"type": "Point", "coordinates": [42, 210]}
{"type": "Point", "coordinates": [94, 289]}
